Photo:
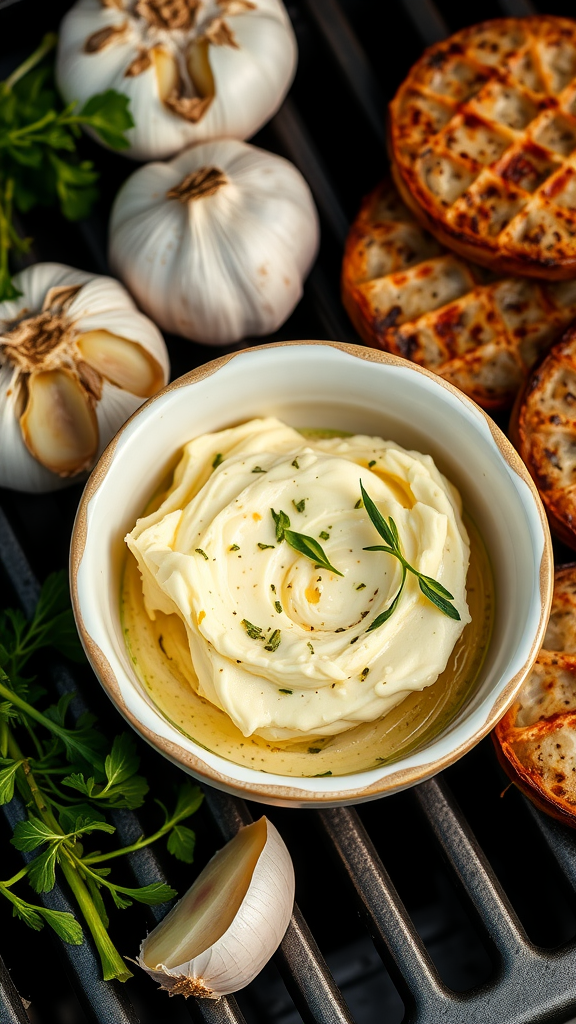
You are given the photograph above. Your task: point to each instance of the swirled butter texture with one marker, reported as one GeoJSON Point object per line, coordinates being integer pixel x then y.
{"type": "Point", "coordinates": [280, 645]}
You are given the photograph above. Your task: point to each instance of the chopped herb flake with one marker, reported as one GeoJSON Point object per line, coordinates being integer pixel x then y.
{"type": "Point", "coordinates": [272, 588]}
{"type": "Point", "coordinates": [273, 641]}
{"type": "Point", "coordinates": [359, 503]}
{"type": "Point", "coordinates": [314, 750]}
{"type": "Point", "coordinates": [264, 546]}
{"type": "Point", "coordinates": [278, 607]}
{"type": "Point", "coordinates": [285, 691]}
{"type": "Point", "coordinates": [324, 535]}
{"type": "Point", "coordinates": [354, 639]}
{"type": "Point", "coordinates": [254, 632]}
{"type": "Point", "coordinates": [200, 552]}
{"type": "Point", "coordinates": [364, 673]}
{"type": "Point", "coordinates": [321, 775]}
{"type": "Point", "coordinates": [310, 646]}
{"type": "Point", "coordinates": [234, 547]}
{"type": "Point", "coordinates": [299, 505]}
{"type": "Point", "coordinates": [258, 469]}
{"type": "Point", "coordinates": [372, 463]}
{"type": "Point", "coordinates": [340, 629]}
{"type": "Point", "coordinates": [281, 522]}
{"type": "Point", "coordinates": [219, 458]}
{"type": "Point", "coordinates": [361, 586]}
{"type": "Point", "coordinates": [295, 464]}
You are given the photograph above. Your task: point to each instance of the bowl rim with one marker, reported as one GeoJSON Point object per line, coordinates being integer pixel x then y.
{"type": "Point", "coordinates": [291, 795]}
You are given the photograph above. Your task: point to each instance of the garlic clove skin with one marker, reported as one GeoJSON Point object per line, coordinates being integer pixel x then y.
{"type": "Point", "coordinates": [224, 266]}
{"type": "Point", "coordinates": [220, 935]}
{"type": "Point", "coordinates": [59, 426]}
{"type": "Point", "coordinates": [251, 78]}
{"type": "Point", "coordinates": [121, 341]}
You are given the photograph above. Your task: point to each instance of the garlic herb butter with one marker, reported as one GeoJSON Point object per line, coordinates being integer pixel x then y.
{"type": "Point", "coordinates": [317, 637]}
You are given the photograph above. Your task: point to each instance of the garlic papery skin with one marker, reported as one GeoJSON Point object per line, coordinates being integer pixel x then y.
{"type": "Point", "coordinates": [220, 935]}
{"type": "Point", "coordinates": [192, 69]}
{"type": "Point", "coordinates": [215, 244]}
{"type": "Point", "coordinates": [76, 360]}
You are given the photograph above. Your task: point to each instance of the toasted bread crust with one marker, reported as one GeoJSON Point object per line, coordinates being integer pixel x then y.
{"type": "Point", "coordinates": [535, 739]}
{"type": "Point", "coordinates": [482, 137]}
{"type": "Point", "coordinates": [543, 429]}
{"type": "Point", "coordinates": [406, 294]}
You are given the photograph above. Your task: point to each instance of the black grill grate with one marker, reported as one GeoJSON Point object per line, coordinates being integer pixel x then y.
{"type": "Point", "coordinates": [528, 983]}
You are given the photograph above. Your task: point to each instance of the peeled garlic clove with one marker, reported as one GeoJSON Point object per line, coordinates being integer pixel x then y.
{"type": "Point", "coordinates": [122, 362]}
{"type": "Point", "coordinates": [224, 930]}
{"type": "Point", "coordinates": [166, 73]}
{"type": "Point", "coordinates": [199, 67]}
{"type": "Point", "coordinates": [59, 425]}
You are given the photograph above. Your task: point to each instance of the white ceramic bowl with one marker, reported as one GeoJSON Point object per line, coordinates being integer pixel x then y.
{"type": "Point", "coordinates": [319, 384]}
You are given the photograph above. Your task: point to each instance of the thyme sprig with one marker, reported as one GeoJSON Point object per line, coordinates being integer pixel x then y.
{"type": "Point", "coordinates": [69, 777]}
{"type": "Point", "coordinates": [430, 587]}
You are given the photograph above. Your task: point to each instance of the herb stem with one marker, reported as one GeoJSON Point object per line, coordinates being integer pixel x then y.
{"type": "Point", "coordinates": [16, 878]}
{"type": "Point", "coordinates": [47, 44]}
{"type": "Point", "coordinates": [140, 843]}
{"type": "Point", "coordinates": [113, 966]}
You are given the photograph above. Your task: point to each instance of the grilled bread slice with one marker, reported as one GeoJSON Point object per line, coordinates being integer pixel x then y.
{"type": "Point", "coordinates": [536, 739]}
{"type": "Point", "coordinates": [543, 428]}
{"type": "Point", "coordinates": [482, 135]}
{"type": "Point", "coordinates": [406, 294]}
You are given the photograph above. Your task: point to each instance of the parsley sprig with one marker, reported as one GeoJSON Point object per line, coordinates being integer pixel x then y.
{"type": "Point", "coordinates": [38, 161]}
{"type": "Point", "coordinates": [69, 777]}
{"type": "Point", "coordinates": [431, 589]}
{"type": "Point", "coordinates": [301, 543]}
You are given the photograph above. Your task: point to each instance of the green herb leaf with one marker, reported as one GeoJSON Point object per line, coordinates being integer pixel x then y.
{"type": "Point", "coordinates": [28, 835]}
{"type": "Point", "coordinates": [152, 895]}
{"type": "Point", "coordinates": [436, 587]}
{"type": "Point", "coordinates": [324, 535]}
{"type": "Point", "coordinates": [378, 519]}
{"type": "Point", "coordinates": [65, 926]}
{"type": "Point", "coordinates": [7, 779]}
{"type": "Point", "coordinates": [258, 469]}
{"type": "Point", "coordinates": [263, 547]}
{"type": "Point", "coordinates": [219, 458]}
{"type": "Point", "coordinates": [299, 505]}
{"type": "Point", "coordinates": [181, 843]}
{"type": "Point", "coordinates": [254, 632]}
{"type": "Point", "coordinates": [439, 601]}
{"type": "Point", "coordinates": [42, 872]}
{"type": "Point", "coordinates": [286, 691]}
{"type": "Point", "coordinates": [274, 641]}
{"type": "Point", "coordinates": [122, 761]}
{"type": "Point", "coordinates": [200, 552]}
{"type": "Point", "coordinates": [278, 608]}
{"type": "Point", "coordinates": [281, 522]}
{"type": "Point", "coordinates": [311, 548]}
{"type": "Point", "coordinates": [234, 547]}
{"type": "Point", "coordinates": [108, 114]}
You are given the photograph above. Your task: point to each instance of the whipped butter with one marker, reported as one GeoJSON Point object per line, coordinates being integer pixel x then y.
{"type": "Point", "coordinates": [280, 646]}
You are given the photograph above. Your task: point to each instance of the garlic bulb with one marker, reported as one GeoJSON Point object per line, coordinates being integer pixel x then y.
{"type": "Point", "coordinates": [215, 244]}
{"type": "Point", "coordinates": [76, 360]}
{"type": "Point", "coordinates": [192, 69]}
{"type": "Point", "coordinates": [224, 930]}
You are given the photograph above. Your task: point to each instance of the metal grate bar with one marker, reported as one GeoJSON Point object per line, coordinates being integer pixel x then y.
{"type": "Point", "coordinates": [471, 867]}
{"type": "Point", "coordinates": [388, 921]}
{"type": "Point", "coordinates": [517, 8]}
{"type": "Point", "coordinates": [559, 840]}
{"type": "Point", "coordinates": [352, 59]}
{"type": "Point", "coordinates": [427, 20]}
{"type": "Point", "coordinates": [297, 142]}
{"type": "Point", "coordinates": [299, 960]}
{"type": "Point", "coordinates": [11, 1006]}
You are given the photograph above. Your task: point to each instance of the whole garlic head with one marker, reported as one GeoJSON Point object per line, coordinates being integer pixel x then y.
{"type": "Point", "coordinates": [76, 360]}
{"type": "Point", "coordinates": [215, 244]}
{"type": "Point", "coordinates": [192, 69]}
{"type": "Point", "coordinates": [220, 935]}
